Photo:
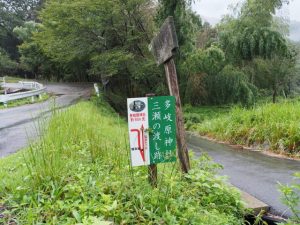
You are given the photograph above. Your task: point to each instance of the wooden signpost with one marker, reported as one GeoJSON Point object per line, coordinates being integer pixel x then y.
{"type": "Point", "coordinates": [163, 47]}
{"type": "Point", "coordinates": [156, 123]}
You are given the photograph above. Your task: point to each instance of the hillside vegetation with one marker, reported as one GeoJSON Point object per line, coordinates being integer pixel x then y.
{"type": "Point", "coordinates": [269, 126]}
{"type": "Point", "coordinates": [247, 53]}
{"type": "Point", "coordinates": [79, 173]}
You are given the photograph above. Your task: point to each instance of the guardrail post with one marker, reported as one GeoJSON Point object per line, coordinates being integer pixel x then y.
{"type": "Point", "coordinates": [3, 84]}
{"type": "Point", "coordinates": [96, 89]}
{"type": "Point", "coordinates": [32, 99]}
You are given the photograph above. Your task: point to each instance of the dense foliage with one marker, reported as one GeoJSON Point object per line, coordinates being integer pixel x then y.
{"type": "Point", "coordinates": [251, 38]}
{"type": "Point", "coordinates": [211, 81]}
{"type": "Point", "coordinates": [187, 23]}
{"type": "Point", "coordinates": [107, 41]}
{"type": "Point", "coordinates": [14, 13]}
{"type": "Point", "coordinates": [103, 41]}
{"type": "Point", "coordinates": [79, 173]}
{"type": "Point", "coordinates": [6, 64]}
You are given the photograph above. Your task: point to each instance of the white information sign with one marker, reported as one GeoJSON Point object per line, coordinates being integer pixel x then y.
{"type": "Point", "coordinates": [152, 130]}
{"type": "Point", "coordinates": [138, 124]}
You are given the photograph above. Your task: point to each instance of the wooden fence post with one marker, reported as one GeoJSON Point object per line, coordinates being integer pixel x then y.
{"type": "Point", "coordinates": [152, 169]}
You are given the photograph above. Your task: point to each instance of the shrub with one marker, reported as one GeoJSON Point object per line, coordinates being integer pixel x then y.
{"type": "Point", "coordinates": [291, 198]}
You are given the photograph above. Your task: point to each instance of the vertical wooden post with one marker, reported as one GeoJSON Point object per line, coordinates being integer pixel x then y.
{"type": "Point", "coordinates": [152, 169]}
{"type": "Point", "coordinates": [171, 75]}
{"type": "Point", "coordinates": [163, 47]}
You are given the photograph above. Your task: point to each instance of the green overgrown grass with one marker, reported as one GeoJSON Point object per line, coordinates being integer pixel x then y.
{"type": "Point", "coordinates": [12, 79]}
{"type": "Point", "coordinates": [25, 101]}
{"type": "Point", "coordinates": [273, 126]}
{"type": "Point", "coordinates": [80, 173]}
{"type": "Point", "coordinates": [193, 116]}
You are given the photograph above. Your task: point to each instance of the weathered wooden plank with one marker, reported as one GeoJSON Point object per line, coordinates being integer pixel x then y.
{"type": "Point", "coordinates": [165, 43]}
{"type": "Point", "coordinates": [163, 48]}
{"type": "Point", "coordinates": [174, 90]}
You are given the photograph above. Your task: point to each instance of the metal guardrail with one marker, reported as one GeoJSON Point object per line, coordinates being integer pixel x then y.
{"type": "Point", "coordinates": [35, 89]}
{"type": "Point", "coordinates": [2, 81]}
{"type": "Point", "coordinates": [96, 87]}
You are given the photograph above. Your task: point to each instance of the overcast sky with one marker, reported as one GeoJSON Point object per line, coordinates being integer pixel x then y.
{"type": "Point", "coordinates": [213, 10]}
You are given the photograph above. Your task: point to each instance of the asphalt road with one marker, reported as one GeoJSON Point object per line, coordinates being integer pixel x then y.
{"type": "Point", "coordinates": [252, 172]}
{"type": "Point", "coordinates": [20, 125]}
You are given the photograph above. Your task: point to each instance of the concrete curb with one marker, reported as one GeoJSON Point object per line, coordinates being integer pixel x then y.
{"type": "Point", "coordinates": [253, 203]}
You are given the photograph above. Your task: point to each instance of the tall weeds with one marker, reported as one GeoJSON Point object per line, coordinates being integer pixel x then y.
{"type": "Point", "coordinates": [80, 172]}
{"type": "Point", "coordinates": [272, 126]}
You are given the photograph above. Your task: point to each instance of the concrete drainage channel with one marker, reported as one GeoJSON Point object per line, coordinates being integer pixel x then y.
{"type": "Point", "coordinates": [266, 219]}
{"type": "Point", "coordinates": [257, 207]}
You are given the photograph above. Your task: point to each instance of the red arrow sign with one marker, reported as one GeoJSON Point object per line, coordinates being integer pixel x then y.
{"type": "Point", "coordinates": [141, 140]}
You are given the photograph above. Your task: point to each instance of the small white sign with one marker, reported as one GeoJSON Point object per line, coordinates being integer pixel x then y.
{"type": "Point", "coordinates": [138, 124]}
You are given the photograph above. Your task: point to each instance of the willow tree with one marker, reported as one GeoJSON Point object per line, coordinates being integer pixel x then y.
{"type": "Point", "coordinates": [251, 35]}
{"type": "Point", "coordinates": [211, 81]}
{"type": "Point", "coordinates": [249, 42]}
{"type": "Point", "coordinates": [260, 12]}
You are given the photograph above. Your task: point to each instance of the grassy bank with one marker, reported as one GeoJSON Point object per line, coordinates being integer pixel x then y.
{"type": "Point", "coordinates": [79, 173]}
{"type": "Point", "coordinates": [25, 101]}
{"type": "Point", "coordinates": [275, 127]}
{"type": "Point", "coordinates": [11, 79]}
{"type": "Point", "coordinates": [194, 116]}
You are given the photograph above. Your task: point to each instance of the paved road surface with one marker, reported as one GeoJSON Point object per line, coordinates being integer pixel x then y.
{"type": "Point", "coordinates": [252, 172]}
{"type": "Point", "coordinates": [18, 125]}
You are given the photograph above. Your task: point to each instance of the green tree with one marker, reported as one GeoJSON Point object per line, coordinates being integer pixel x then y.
{"type": "Point", "coordinates": [14, 13]}
{"type": "Point", "coordinates": [102, 40]}
{"type": "Point", "coordinates": [260, 13]}
{"type": "Point", "coordinates": [7, 66]}
{"type": "Point", "coordinates": [252, 33]}
{"type": "Point", "coordinates": [32, 59]}
{"type": "Point", "coordinates": [187, 23]}
{"type": "Point", "coordinates": [256, 42]}
{"type": "Point", "coordinates": [211, 81]}
{"type": "Point", "coordinates": [274, 74]}
{"type": "Point", "coordinates": [245, 44]}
